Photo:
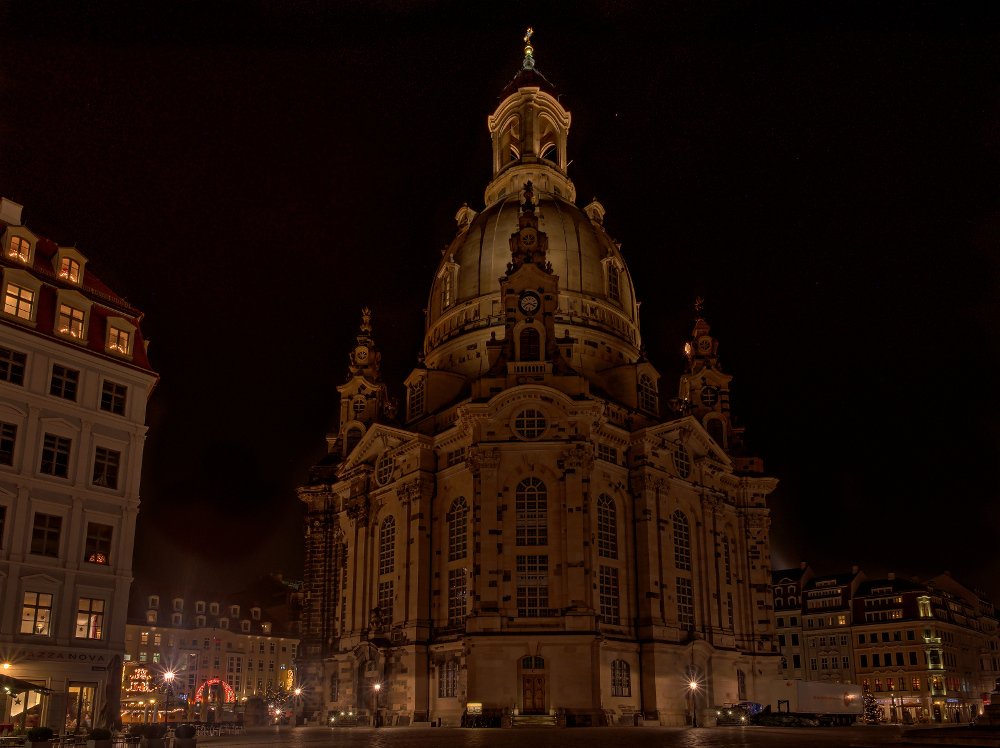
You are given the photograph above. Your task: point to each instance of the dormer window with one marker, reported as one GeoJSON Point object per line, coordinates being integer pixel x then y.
{"type": "Point", "coordinates": [118, 340]}
{"type": "Point", "coordinates": [175, 619]}
{"type": "Point", "coordinates": [199, 607]}
{"type": "Point", "coordinates": [265, 628]}
{"type": "Point", "coordinates": [70, 270]}
{"type": "Point", "coordinates": [151, 616]}
{"type": "Point", "coordinates": [70, 321]}
{"type": "Point", "coordinates": [178, 604]}
{"type": "Point", "coordinates": [255, 613]}
{"type": "Point", "coordinates": [234, 611]}
{"type": "Point", "coordinates": [223, 623]}
{"type": "Point", "coordinates": [199, 622]}
{"type": "Point", "coordinates": [245, 625]}
{"type": "Point", "coordinates": [154, 601]}
{"type": "Point", "coordinates": [213, 609]}
{"type": "Point", "coordinates": [19, 248]}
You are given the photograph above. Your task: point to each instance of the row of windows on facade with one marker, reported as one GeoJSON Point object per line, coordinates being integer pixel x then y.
{"type": "Point", "coordinates": [934, 685]}
{"type": "Point", "coordinates": [177, 620]}
{"type": "Point", "coordinates": [37, 620]}
{"type": "Point", "coordinates": [153, 602]}
{"type": "Point", "coordinates": [837, 620]}
{"type": "Point", "coordinates": [46, 537]}
{"type": "Point", "coordinates": [55, 458]}
{"type": "Point", "coordinates": [147, 638]}
{"type": "Point", "coordinates": [532, 571]}
{"type": "Point", "coordinates": [64, 382]}
{"type": "Point", "coordinates": [21, 303]}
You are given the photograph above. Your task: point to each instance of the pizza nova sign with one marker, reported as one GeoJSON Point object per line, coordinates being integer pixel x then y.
{"type": "Point", "coordinates": [51, 654]}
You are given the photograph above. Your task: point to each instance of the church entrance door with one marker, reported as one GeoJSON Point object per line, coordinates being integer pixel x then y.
{"type": "Point", "coordinates": [534, 695]}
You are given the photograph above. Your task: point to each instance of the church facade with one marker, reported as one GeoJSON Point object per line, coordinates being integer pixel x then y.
{"type": "Point", "coordinates": [540, 533]}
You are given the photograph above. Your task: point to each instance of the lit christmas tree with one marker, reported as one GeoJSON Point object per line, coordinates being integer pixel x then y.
{"type": "Point", "coordinates": [873, 712]}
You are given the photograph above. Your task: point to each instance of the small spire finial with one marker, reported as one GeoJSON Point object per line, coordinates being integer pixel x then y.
{"type": "Point", "coordinates": [699, 305]}
{"type": "Point", "coordinates": [529, 60]}
{"type": "Point", "coordinates": [366, 320]}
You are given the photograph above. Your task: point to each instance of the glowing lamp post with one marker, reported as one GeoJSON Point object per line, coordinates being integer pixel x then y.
{"type": "Point", "coordinates": [377, 688]}
{"type": "Point", "coordinates": [692, 687]}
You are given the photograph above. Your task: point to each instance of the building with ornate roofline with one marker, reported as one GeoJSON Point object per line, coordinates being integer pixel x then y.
{"type": "Point", "coordinates": [532, 537]}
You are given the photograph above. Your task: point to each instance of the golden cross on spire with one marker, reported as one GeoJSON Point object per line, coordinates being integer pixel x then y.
{"type": "Point", "coordinates": [529, 60]}
{"type": "Point", "coordinates": [699, 305]}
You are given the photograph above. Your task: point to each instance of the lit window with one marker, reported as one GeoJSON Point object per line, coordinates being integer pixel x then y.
{"type": "Point", "coordinates": [387, 546]}
{"type": "Point", "coordinates": [458, 530]}
{"type": "Point", "coordinates": [531, 509]}
{"type": "Point", "coordinates": [98, 545]}
{"type": "Point", "coordinates": [113, 397]}
{"type": "Point", "coordinates": [621, 678]}
{"type": "Point", "coordinates": [456, 596]}
{"type": "Point", "coordinates": [64, 382]}
{"type": "Point", "coordinates": [70, 270]}
{"type": "Point", "coordinates": [118, 340]}
{"type": "Point", "coordinates": [45, 533]}
{"type": "Point", "coordinates": [18, 301]}
{"type": "Point", "coordinates": [12, 366]}
{"type": "Point", "coordinates": [89, 618]}
{"type": "Point", "coordinates": [106, 463]}
{"type": "Point", "coordinates": [530, 423]}
{"type": "Point", "coordinates": [447, 290]}
{"type": "Point", "coordinates": [36, 613]}
{"type": "Point", "coordinates": [533, 586]}
{"type": "Point", "coordinates": [607, 528]}
{"type": "Point", "coordinates": [8, 438]}
{"type": "Point", "coordinates": [19, 248]}
{"type": "Point", "coordinates": [647, 394]}
{"type": "Point", "coordinates": [70, 321]}
{"type": "Point", "coordinates": [609, 595]}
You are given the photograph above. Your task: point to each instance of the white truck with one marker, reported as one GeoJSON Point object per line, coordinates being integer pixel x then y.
{"type": "Point", "coordinates": [829, 703]}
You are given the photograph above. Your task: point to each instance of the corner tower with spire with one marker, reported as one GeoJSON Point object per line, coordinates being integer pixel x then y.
{"type": "Point", "coordinates": [536, 540]}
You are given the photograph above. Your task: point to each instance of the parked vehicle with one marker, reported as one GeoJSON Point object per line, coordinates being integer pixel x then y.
{"type": "Point", "coordinates": [828, 703]}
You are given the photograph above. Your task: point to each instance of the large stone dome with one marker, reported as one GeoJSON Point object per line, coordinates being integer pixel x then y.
{"type": "Point", "coordinates": [597, 306]}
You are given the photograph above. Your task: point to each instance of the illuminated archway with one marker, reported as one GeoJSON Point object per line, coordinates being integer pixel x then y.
{"type": "Point", "coordinates": [230, 694]}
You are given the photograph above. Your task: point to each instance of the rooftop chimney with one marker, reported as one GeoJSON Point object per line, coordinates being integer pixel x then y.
{"type": "Point", "coordinates": [802, 564]}
{"type": "Point", "coordinates": [854, 570]}
{"type": "Point", "coordinates": [10, 212]}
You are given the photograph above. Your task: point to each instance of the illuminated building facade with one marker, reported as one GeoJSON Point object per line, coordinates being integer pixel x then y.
{"type": "Point", "coordinates": [531, 537]}
{"type": "Point", "coordinates": [74, 381]}
{"type": "Point", "coordinates": [223, 649]}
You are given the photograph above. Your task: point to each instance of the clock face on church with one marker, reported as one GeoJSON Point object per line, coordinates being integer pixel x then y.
{"type": "Point", "coordinates": [361, 353]}
{"type": "Point", "coordinates": [529, 303]}
{"type": "Point", "coordinates": [704, 344]}
{"type": "Point", "coordinates": [528, 238]}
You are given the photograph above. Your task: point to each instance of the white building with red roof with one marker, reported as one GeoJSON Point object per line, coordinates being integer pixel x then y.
{"type": "Point", "coordinates": [74, 382]}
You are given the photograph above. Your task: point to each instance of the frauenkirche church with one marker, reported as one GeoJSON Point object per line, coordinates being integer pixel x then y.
{"type": "Point", "coordinates": [542, 535]}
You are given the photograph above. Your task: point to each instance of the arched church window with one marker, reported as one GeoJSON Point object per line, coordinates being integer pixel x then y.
{"type": "Point", "coordinates": [647, 394]}
{"type": "Point", "coordinates": [531, 509]}
{"type": "Point", "coordinates": [607, 528]}
{"type": "Point", "coordinates": [726, 560]}
{"type": "Point", "coordinates": [358, 406]}
{"type": "Point", "coordinates": [417, 398]}
{"type": "Point", "coordinates": [614, 283]}
{"type": "Point", "coordinates": [530, 344]}
{"type": "Point", "coordinates": [682, 541]}
{"type": "Point", "coordinates": [621, 678]}
{"type": "Point", "coordinates": [682, 461]}
{"type": "Point", "coordinates": [549, 152]}
{"type": "Point", "coordinates": [387, 546]}
{"type": "Point", "coordinates": [458, 533]}
{"type": "Point", "coordinates": [716, 431]}
{"type": "Point", "coordinates": [351, 439]}
{"type": "Point", "coordinates": [448, 680]}
{"type": "Point", "coordinates": [384, 468]}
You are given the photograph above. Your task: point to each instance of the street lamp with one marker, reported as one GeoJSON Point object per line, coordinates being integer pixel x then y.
{"type": "Point", "coordinates": [692, 687]}
{"type": "Point", "coordinates": [375, 719]}
{"type": "Point", "coordinates": [167, 687]}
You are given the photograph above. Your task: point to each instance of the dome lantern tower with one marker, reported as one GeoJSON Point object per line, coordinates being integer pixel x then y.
{"type": "Point", "coordinates": [529, 131]}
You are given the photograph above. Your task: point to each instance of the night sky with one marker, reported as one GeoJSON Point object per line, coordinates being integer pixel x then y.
{"type": "Point", "coordinates": [251, 174]}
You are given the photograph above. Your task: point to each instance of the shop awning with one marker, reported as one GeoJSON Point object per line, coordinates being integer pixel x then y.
{"type": "Point", "coordinates": [16, 685]}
